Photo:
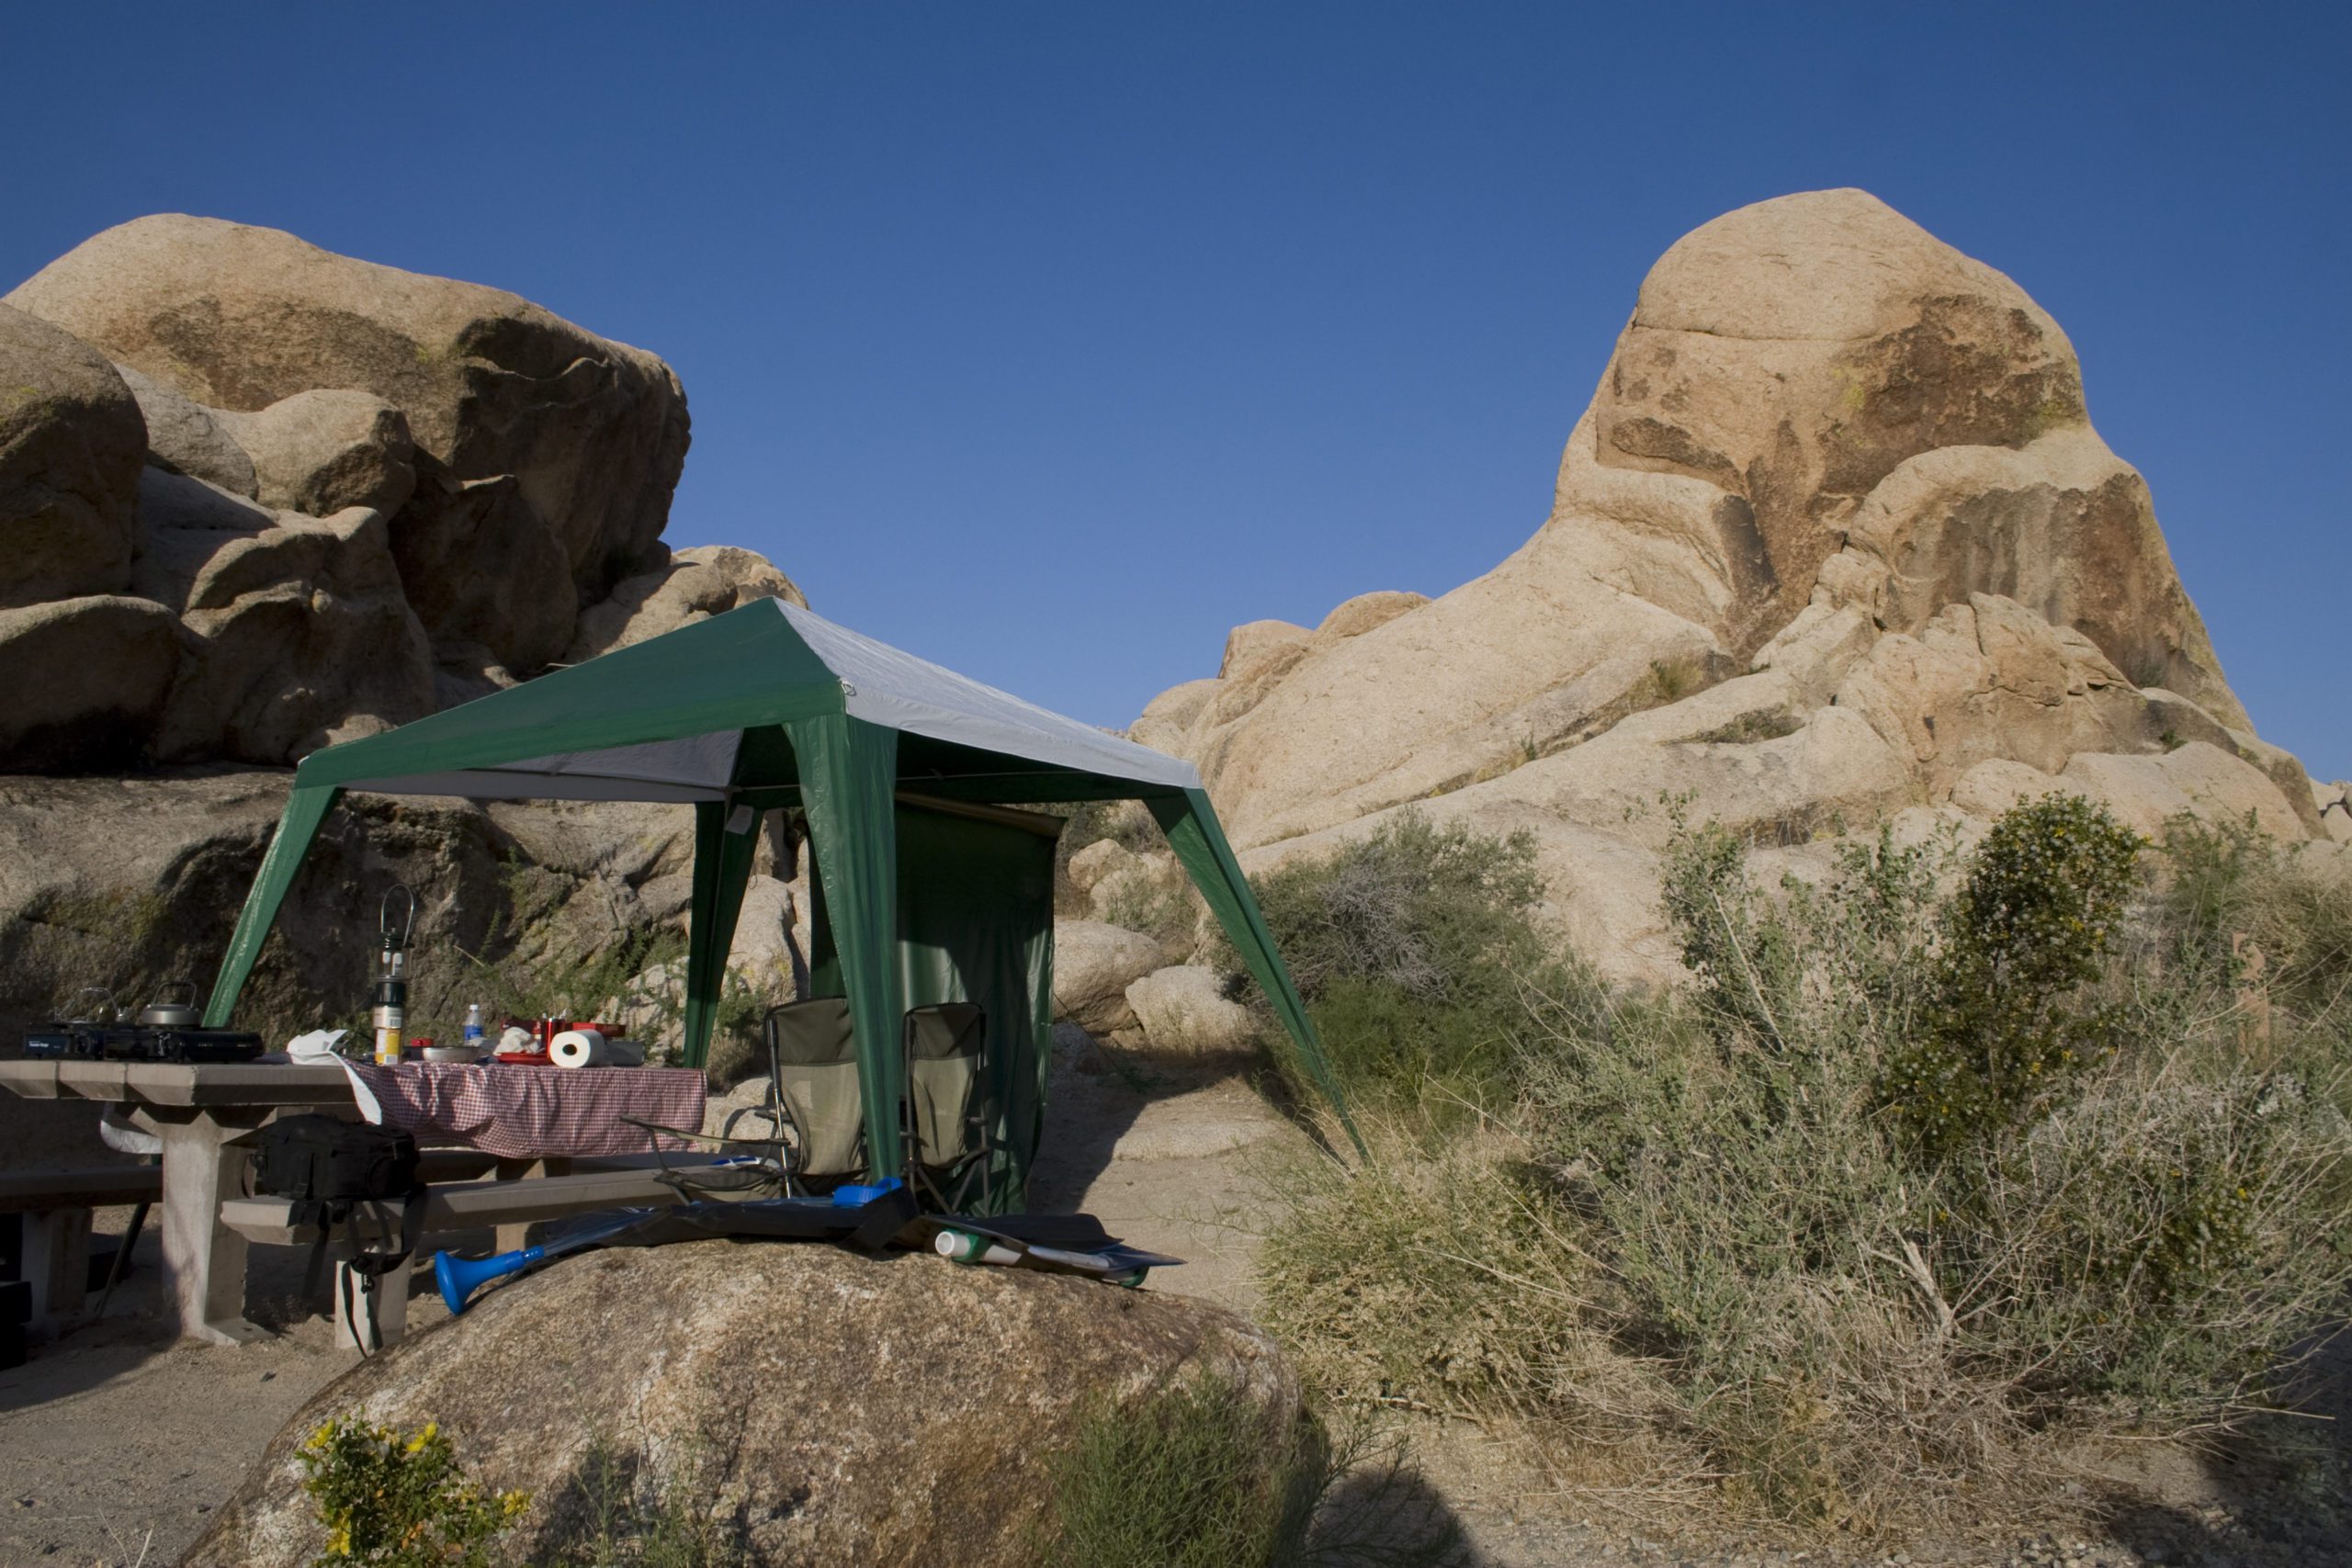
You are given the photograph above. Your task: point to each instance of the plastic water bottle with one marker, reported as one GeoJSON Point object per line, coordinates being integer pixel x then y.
{"type": "Point", "coordinates": [473, 1028]}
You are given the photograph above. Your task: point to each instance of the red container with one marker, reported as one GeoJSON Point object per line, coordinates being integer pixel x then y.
{"type": "Point", "coordinates": [543, 1033]}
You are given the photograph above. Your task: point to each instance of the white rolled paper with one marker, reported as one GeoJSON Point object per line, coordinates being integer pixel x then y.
{"type": "Point", "coordinates": [577, 1048]}
{"type": "Point", "coordinates": [588, 1048]}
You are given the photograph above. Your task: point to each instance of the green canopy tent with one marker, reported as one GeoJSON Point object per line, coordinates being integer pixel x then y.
{"type": "Point", "coordinates": [769, 706]}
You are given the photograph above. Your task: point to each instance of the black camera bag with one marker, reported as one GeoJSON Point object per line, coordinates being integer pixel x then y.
{"type": "Point", "coordinates": [334, 1173]}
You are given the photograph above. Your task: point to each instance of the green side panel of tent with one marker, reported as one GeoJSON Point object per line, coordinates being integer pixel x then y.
{"type": "Point", "coordinates": [725, 837]}
{"type": "Point", "coordinates": [1201, 848]}
{"type": "Point", "coordinates": [848, 787]}
{"type": "Point", "coordinates": [976, 924]}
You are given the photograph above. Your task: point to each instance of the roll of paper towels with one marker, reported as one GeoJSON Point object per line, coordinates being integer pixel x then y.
{"type": "Point", "coordinates": [588, 1048]}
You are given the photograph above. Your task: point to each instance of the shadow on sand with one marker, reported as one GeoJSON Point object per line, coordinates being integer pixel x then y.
{"type": "Point", "coordinates": [2272, 1495]}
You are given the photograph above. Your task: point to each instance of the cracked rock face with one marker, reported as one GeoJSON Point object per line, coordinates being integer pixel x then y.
{"type": "Point", "coordinates": [237, 317]}
{"type": "Point", "coordinates": [70, 444]}
{"type": "Point", "coordinates": [311, 497]}
{"type": "Point", "coordinates": [1834, 534]}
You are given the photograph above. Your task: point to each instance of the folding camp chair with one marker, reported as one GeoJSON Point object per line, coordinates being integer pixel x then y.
{"type": "Point", "coordinates": [946, 1138]}
{"type": "Point", "coordinates": [812, 1064]}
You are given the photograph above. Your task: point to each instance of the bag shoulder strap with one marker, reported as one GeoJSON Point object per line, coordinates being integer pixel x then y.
{"type": "Point", "coordinates": [368, 1267]}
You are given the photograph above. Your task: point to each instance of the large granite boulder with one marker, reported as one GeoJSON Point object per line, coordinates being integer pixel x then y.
{"type": "Point", "coordinates": [297, 632]}
{"type": "Point", "coordinates": [188, 439]}
{"type": "Point", "coordinates": [1093, 965]}
{"type": "Point", "coordinates": [838, 1411]}
{"type": "Point", "coordinates": [86, 681]}
{"type": "Point", "coordinates": [483, 569]}
{"type": "Point", "coordinates": [1184, 1015]}
{"type": "Point", "coordinates": [692, 586]}
{"type": "Point", "coordinates": [321, 451]}
{"type": "Point", "coordinates": [1834, 534]}
{"type": "Point", "coordinates": [593, 433]}
{"type": "Point", "coordinates": [71, 447]}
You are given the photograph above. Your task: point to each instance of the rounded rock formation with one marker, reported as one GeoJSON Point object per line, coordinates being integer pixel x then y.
{"type": "Point", "coordinates": [237, 317]}
{"type": "Point", "coordinates": [1834, 531]}
{"type": "Point", "coordinates": [832, 1409]}
{"type": "Point", "coordinates": [71, 445]}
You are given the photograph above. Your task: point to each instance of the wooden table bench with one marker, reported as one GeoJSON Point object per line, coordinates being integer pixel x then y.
{"type": "Point", "coordinates": [508, 1206]}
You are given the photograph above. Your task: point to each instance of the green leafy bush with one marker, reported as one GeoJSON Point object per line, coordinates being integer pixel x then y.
{"type": "Point", "coordinates": [391, 1500]}
{"type": "Point", "coordinates": [2007, 1030]}
{"type": "Point", "coordinates": [2238, 905]}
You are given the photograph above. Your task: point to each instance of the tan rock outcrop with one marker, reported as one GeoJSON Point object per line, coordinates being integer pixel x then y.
{"type": "Point", "coordinates": [1093, 965]}
{"type": "Point", "coordinates": [295, 629]}
{"type": "Point", "coordinates": [323, 450]}
{"type": "Point", "coordinates": [71, 445]}
{"type": "Point", "coordinates": [1184, 1015]}
{"type": "Point", "coordinates": [86, 681]}
{"type": "Point", "coordinates": [1834, 543]}
{"type": "Point", "coordinates": [129, 883]}
{"type": "Point", "coordinates": [441, 476]}
{"type": "Point", "coordinates": [237, 317]}
{"type": "Point", "coordinates": [482, 569]}
{"type": "Point", "coordinates": [188, 438]}
{"type": "Point", "coordinates": [696, 584]}
{"type": "Point", "coordinates": [1355, 616]}
{"type": "Point", "coordinates": [2334, 802]}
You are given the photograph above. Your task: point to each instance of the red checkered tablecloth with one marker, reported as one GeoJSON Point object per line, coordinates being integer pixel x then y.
{"type": "Point", "coordinates": [525, 1113]}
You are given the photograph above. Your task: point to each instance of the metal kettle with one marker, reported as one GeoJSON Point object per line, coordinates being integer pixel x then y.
{"type": "Point", "coordinates": [169, 1014]}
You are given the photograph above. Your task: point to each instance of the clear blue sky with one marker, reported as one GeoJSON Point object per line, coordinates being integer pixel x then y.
{"type": "Point", "coordinates": [1052, 341]}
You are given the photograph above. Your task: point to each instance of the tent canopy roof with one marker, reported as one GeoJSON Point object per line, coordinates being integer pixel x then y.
{"type": "Point", "coordinates": [765, 707]}
{"type": "Point", "coordinates": [696, 716]}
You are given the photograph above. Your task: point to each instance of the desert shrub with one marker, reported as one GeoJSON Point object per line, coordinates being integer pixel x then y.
{"type": "Point", "coordinates": [400, 1501]}
{"type": "Point", "coordinates": [2237, 903]}
{"type": "Point", "coordinates": [618, 1512]}
{"type": "Point", "coordinates": [1161, 904]}
{"type": "Point", "coordinates": [1436, 1276]}
{"type": "Point", "coordinates": [1410, 947]}
{"type": "Point", "coordinates": [1708, 1224]}
{"type": "Point", "coordinates": [1749, 729]}
{"type": "Point", "coordinates": [2008, 1028]}
{"type": "Point", "coordinates": [1666, 680]}
{"type": "Point", "coordinates": [1193, 1475]}
{"type": "Point", "coordinates": [1189, 1477]}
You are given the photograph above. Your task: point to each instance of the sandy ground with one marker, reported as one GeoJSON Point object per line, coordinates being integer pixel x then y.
{"type": "Point", "coordinates": [115, 1444]}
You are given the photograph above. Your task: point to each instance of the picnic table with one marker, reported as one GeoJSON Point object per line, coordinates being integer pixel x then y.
{"type": "Point", "coordinates": [200, 1113]}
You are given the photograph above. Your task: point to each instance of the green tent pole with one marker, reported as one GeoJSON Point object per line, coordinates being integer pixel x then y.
{"type": "Point", "coordinates": [726, 834]}
{"type": "Point", "coordinates": [848, 783]}
{"type": "Point", "coordinates": [1200, 844]}
{"type": "Point", "coordinates": [305, 809]}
